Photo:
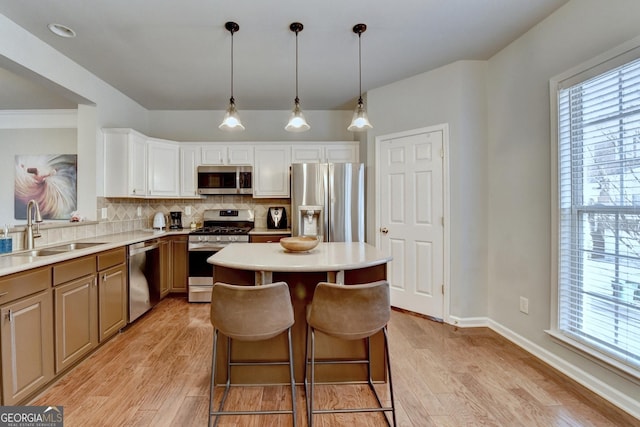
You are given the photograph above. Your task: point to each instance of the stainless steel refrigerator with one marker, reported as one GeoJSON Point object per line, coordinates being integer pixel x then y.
{"type": "Point", "coordinates": [327, 200]}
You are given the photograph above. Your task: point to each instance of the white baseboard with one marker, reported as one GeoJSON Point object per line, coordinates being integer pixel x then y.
{"type": "Point", "coordinates": [623, 401]}
{"type": "Point", "coordinates": [469, 322]}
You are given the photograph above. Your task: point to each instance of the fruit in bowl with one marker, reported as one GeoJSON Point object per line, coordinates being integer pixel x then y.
{"type": "Point", "coordinates": [299, 243]}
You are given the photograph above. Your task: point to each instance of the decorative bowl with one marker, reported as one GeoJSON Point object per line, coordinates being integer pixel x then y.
{"type": "Point", "coordinates": [299, 243]}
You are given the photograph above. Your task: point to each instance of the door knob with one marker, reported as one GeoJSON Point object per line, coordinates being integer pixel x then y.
{"type": "Point", "coordinates": [384, 230]}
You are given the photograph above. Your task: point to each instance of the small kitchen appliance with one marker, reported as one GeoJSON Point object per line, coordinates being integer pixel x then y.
{"type": "Point", "coordinates": [158, 221]}
{"type": "Point", "coordinates": [277, 218]}
{"type": "Point", "coordinates": [175, 220]}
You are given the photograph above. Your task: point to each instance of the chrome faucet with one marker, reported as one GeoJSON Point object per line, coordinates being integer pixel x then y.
{"type": "Point", "coordinates": [30, 236]}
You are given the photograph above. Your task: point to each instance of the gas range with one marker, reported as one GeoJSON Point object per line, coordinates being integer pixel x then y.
{"type": "Point", "coordinates": [221, 227]}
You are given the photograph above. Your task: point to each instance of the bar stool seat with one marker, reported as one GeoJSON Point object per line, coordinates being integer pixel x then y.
{"type": "Point", "coordinates": [348, 312]}
{"type": "Point", "coordinates": [250, 313]}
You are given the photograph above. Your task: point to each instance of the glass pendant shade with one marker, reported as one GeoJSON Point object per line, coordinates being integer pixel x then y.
{"type": "Point", "coordinates": [231, 120]}
{"type": "Point", "coordinates": [360, 120]}
{"type": "Point", "coordinates": [297, 122]}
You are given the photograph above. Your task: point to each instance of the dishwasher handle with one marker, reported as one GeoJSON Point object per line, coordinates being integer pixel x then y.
{"type": "Point", "coordinates": [141, 247]}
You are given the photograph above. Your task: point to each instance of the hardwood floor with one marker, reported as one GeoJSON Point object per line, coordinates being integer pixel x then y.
{"type": "Point", "coordinates": [156, 373]}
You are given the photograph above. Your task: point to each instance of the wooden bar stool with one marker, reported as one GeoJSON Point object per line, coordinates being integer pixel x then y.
{"type": "Point", "coordinates": [349, 312]}
{"type": "Point", "coordinates": [250, 313]}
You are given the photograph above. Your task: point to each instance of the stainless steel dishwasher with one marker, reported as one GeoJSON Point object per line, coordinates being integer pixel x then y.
{"type": "Point", "coordinates": [144, 277]}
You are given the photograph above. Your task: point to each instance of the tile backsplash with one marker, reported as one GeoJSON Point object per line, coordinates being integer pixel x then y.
{"type": "Point", "coordinates": [122, 216]}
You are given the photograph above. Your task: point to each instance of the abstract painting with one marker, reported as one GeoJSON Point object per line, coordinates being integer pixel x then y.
{"type": "Point", "coordinates": [50, 180]}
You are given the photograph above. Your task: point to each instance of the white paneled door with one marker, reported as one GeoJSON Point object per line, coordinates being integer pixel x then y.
{"type": "Point", "coordinates": [411, 218]}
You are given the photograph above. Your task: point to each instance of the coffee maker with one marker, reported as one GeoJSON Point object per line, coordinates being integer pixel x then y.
{"type": "Point", "coordinates": [175, 220]}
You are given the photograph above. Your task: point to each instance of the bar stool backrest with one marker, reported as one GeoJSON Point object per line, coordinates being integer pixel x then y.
{"type": "Point", "coordinates": [251, 313]}
{"type": "Point", "coordinates": [350, 311]}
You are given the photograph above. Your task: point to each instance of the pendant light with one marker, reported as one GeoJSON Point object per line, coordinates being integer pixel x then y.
{"type": "Point", "coordinates": [297, 122]}
{"type": "Point", "coordinates": [360, 121]}
{"type": "Point", "coordinates": [231, 121]}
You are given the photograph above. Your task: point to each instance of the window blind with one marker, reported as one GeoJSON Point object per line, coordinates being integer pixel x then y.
{"type": "Point", "coordinates": [599, 213]}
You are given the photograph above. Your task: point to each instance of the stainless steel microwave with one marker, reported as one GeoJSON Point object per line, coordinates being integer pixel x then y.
{"type": "Point", "coordinates": [224, 179]}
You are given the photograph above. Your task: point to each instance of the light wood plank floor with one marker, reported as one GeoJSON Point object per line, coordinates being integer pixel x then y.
{"type": "Point", "coordinates": [156, 373]}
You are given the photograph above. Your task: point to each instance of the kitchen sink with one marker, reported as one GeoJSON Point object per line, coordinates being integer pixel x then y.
{"type": "Point", "coordinates": [72, 246]}
{"type": "Point", "coordinates": [55, 250]}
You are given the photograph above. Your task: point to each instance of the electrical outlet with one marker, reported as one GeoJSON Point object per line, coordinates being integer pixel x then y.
{"type": "Point", "coordinates": [104, 213]}
{"type": "Point", "coordinates": [524, 305]}
{"type": "Point", "coordinates": [187, 210]}
{"type": "Point", "coordinates": [139, 211]}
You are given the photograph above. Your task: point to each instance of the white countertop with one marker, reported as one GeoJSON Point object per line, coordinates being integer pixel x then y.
{"type": "Point", "coordinates": [327, 256]}
{"type": "Point", "coordinates": [14, 262]}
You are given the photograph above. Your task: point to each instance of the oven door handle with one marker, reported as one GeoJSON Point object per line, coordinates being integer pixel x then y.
{"type": "Point", "coordinates": [205, 248]}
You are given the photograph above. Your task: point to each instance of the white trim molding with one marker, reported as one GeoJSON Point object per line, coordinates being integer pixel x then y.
{"type": "Point", "coordinates": [38, 119]}
{"type": "Point", "coordinates": [623, 401]}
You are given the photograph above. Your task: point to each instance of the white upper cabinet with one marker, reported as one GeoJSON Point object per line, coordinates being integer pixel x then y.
{"type": "Point", "coordinates": [190, 159]}
{"type": "Point", "coordinates": [225, 154]}
{"type": "Point", "coordinates": [140, 166]}
{"type": "Point", "coordinates": [325, 152]}
{"type": "Point", "coordinates": [271, 171]}
{"type": "Point", "coordinates": [163, 164]}
{"type": "Point", "coordinates": [125, 163]}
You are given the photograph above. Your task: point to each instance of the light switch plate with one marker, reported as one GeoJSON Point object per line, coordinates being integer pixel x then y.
{"type": "Point", "coordinates": [104, 213]}
{"type": "Point", "coordinates": [187, 210]}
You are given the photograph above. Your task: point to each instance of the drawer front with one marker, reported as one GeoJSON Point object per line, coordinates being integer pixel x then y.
{"type": "Point", "coordinates": [25, 283]}
{"type": "Point", "coordinates": [111, 258]}
{"type": "Point", "coordinates": [73, 269]}
{"type": "Point", "coordinates": [267, 238]}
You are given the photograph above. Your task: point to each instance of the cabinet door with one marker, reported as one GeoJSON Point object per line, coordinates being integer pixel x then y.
{"type": "Point", "coordinates": [112, 297]}
{"type": "Point", "coordinates": [180, 264]}
{"type": "Point", "coordinates": [27, 346]}
{"type": "Point", "coordinates": [240, 155]}
{"type": "Point", "coordinates": [271, 171]}
{"type": "Point", "coordinates": [76, 319]}
{"type": "Point", "coordinates": [307, 153]}
{"type": "Point", "coordinates": [137, 165]}
{"type": "Point", "coordinates": [347, 153]}
{"type": "Point", "coordinates": [189, 162]}
{"type": "Point", "coordinates": [163, 165]}
{"type": "Point", "coordinates": [166, 266]}
{"type": "Point", "coordinates": [214, 154]}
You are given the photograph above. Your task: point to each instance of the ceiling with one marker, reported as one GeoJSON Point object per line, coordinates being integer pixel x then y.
{"type": "Point", "coordinates": [175, 55]}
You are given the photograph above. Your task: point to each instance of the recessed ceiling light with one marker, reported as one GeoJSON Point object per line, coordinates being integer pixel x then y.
{"type": "Point", "coordinates": [61, 30]}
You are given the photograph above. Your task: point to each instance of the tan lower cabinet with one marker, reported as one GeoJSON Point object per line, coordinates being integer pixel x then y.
{"type": "Point", "coordinates": [26, 333]}
{"type": "Point", "coordinates": [112, 292]}
{"type": "Point", "coordinates": [166, 268]}
{"type": "Point", "coordinates": [180, 264]}
{"type": "Point", "coordinates": [76, 313]}
{"type": "Point", "coordinates": [75, 296]}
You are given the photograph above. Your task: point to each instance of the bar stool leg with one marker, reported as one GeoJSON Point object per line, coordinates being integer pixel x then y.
{"type": "Point", "coordinates": [386, 351]}
{"type": "Point", "coordinates": [213, 374]}
{"type": "Point", "coordinates": [293, 380]}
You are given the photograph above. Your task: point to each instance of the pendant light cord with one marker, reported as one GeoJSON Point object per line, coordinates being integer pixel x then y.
{"type": "Point", "coordinates": [297, 100]}
{"type": "Point", "coordinates": [232, 100]}
{"type": "Point", "coordinates": [360, 64]}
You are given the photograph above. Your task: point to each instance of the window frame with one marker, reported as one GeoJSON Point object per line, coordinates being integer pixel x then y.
{"type": "Point", "coordinates": [596, 66]}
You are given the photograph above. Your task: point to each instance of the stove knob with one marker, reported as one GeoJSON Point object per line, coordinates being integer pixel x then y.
{"type": "Point", "coordinates": [232, 238]}
{"type": "Point", "coordinates": [200, 238]}
{"type": "Point", "coordinates": [218, 238]}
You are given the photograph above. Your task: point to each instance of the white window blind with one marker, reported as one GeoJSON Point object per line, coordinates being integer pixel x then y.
{"type": "Point", "coordinates": [599, 213]}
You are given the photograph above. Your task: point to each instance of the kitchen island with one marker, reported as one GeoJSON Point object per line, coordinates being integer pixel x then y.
{"type": "Point", "coordinates": [255, 264]}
